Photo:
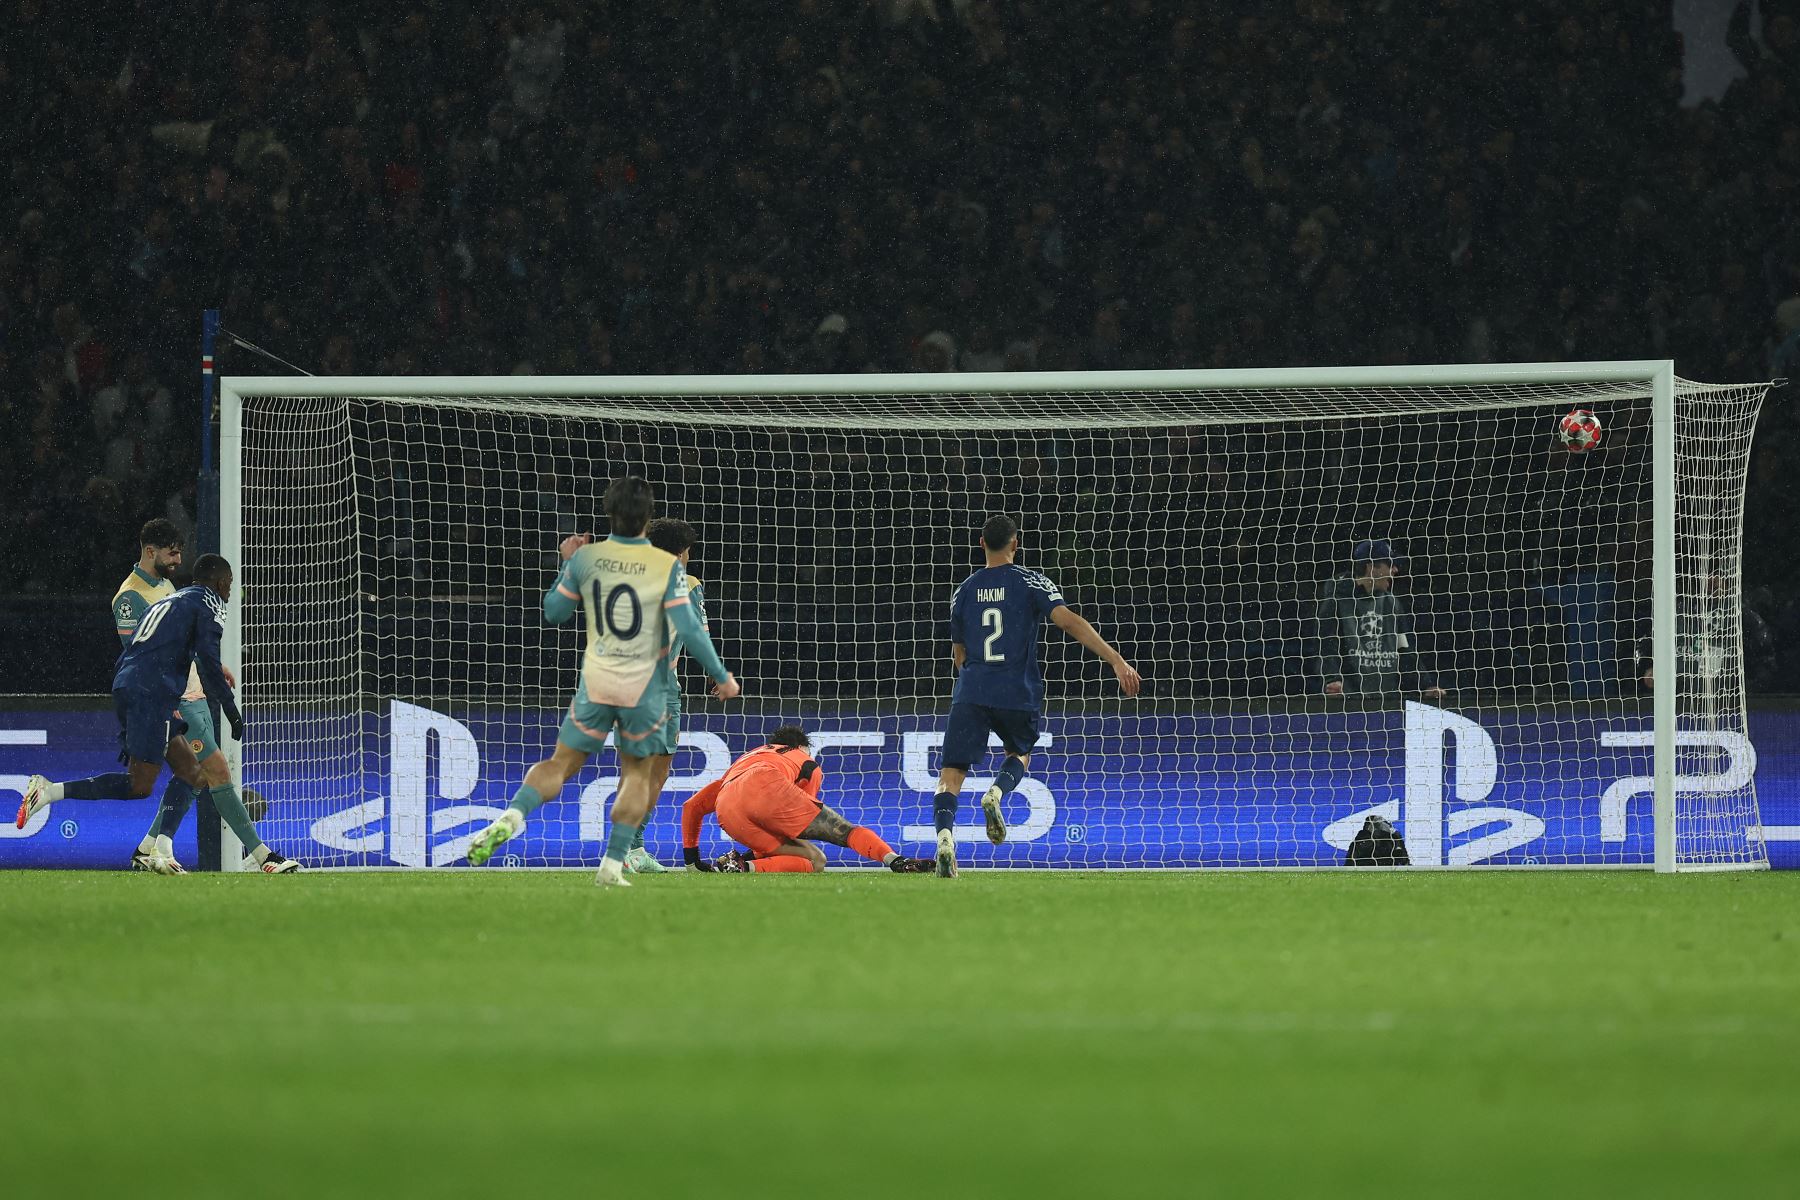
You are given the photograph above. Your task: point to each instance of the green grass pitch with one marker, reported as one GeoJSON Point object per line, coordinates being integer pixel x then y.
{"type": "Point", "coordinates": [861, 1034]}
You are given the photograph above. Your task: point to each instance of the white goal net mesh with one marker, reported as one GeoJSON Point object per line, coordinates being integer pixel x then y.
{"type": "Point", "coordinates": [1494, 704]}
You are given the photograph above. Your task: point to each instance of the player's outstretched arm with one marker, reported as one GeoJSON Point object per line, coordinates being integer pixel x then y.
{"type": "Point", "coordinates": [693, 816]}
{"type": "Point", "coordinates": [693, 635]}
{"type": "Point", "coordinates": [564, 595]}
{"type": "Point", "coordinates": [1077, 627]}
{"type": "Point", "coordinates": [212, 671]}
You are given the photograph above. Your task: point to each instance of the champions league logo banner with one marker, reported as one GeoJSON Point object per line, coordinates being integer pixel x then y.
{"type": "Point", "coordinates": [411, 785]}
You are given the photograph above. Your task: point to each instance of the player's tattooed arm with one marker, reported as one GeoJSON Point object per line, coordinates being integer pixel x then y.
{"type": "Point", "coordinates": [828, 827]}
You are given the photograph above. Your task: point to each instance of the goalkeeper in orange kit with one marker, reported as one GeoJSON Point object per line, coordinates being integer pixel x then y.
{"type": "Point", "coordinates": [769, 801]}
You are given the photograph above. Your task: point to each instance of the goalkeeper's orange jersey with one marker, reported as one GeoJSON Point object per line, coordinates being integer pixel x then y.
{"type": "Point", "coordinates": [767, 776]}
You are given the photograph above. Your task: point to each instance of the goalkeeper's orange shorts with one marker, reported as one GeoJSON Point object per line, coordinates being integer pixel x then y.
{"type": "Point", "coordinates": [763, 808]}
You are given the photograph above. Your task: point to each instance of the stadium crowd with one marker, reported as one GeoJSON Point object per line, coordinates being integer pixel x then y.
{"type": "Point", "coordinates": [492, 187]}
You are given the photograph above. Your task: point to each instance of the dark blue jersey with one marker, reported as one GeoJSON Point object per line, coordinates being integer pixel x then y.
{"type": "Point", "coordinates": [995, 616]}
{"type": "Point", "coordinates": [172, 633]}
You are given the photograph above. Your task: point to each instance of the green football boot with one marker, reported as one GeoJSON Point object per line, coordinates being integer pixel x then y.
{"type": "Point", "coordinates": [495, 836]}
{"type": "Point", "coordinates": [639, 861]}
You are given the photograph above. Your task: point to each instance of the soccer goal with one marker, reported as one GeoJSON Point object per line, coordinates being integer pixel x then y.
{"type": "Point", "coordinates": [1352, 592]}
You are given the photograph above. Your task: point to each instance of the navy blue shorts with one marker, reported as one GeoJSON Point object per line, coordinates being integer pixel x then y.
{"type": "Point", "coordinates": [966, 733]}
{"type": "Point", "coordinates": [145, 727]}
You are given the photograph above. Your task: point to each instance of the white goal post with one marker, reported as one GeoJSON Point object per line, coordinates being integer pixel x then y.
{"type": "Point", "coordinates": [1559, 684]}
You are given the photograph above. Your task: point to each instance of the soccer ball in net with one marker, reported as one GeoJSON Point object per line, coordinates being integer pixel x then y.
{"type": "Point", "coordinates": [1579, 431]}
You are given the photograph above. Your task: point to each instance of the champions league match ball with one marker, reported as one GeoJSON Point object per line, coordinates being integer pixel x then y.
{"type": "Point", "coordinates": [1579, 432]}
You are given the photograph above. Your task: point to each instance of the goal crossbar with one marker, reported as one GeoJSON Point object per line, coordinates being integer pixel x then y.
{"type": "Point", "coordinates": [1642, 371]}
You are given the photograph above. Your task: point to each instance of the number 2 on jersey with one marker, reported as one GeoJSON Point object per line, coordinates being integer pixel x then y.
{"type": "Point", "coordinates": [989, 651]}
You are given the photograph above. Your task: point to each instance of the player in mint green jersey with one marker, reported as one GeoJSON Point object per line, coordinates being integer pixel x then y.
{"type": "Point", "coordinates": [639, 612]}
{"type": "Point", "coordinates": [677, 537]}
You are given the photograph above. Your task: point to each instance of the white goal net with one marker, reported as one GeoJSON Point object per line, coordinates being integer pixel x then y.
{"type": "Point", "coordinates": [1495, 699]}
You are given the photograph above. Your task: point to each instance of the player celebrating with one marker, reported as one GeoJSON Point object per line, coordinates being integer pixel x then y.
{"type": "Point", "coordinates": [769, 801]}
{"type": "Point", "coordinates": [159, 554]}
{"type": "Point", "coordinates": [1000, 689]}
{"type": "Point", "coordinates": [676, 537]}
{"type": "Point", "coordinates": [174, 634]}
{"type": "Point", "coordinates": [638, 611]}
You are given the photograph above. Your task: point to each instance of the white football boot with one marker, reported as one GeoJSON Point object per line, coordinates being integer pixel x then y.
{"type": "Point", "coordinates": [37, 795]}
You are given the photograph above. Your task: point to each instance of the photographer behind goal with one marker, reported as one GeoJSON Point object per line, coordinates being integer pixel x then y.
{"type": "Point", "coordinates": [1366, 645]}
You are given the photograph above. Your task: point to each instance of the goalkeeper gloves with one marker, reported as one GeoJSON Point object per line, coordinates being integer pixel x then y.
{"type": "Point", "coordinates": [691, 856]}
{"type": "Point", "coordinates": [236, 721]}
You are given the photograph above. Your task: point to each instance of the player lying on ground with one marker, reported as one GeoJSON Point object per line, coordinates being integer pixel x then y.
{"type": "Point", "coordinates": [174, 634]}
{"type": "Point", "coordinates": [769, 801]}
{"type": "Point", "coordinates": [638, 611]}
{"type": "Point", "coordinates": [1000, 688]}
{"type": "Point", "coordinates": [159, 556]}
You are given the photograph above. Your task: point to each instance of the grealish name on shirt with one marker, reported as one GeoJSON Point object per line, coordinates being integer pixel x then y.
{"type": "Point", "coordinates": [620, 566]}
{"type": "Point", "coordinates": [989, 595]}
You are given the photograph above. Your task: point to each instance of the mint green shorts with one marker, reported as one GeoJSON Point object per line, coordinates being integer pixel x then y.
{"type": "Point", "coordinates": [649, 729]}
{"type": "Point", "coordinates": [200, 735]}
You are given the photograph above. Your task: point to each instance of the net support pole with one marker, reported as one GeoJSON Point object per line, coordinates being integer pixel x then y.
{"type": "Point", "coordinates": [209, 828]}
{"type": "Point", "coordinates": [231, 546]}
{"type": "Point", "coordinates": [1665, 668]}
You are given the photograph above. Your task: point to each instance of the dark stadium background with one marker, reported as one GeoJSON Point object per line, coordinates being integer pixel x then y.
{"type": "Point", "coordinates": [827, 185]}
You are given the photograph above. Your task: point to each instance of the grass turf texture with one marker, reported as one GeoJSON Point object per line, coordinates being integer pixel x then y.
{"type": "Point", "coordinates": [1041, 1034]}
